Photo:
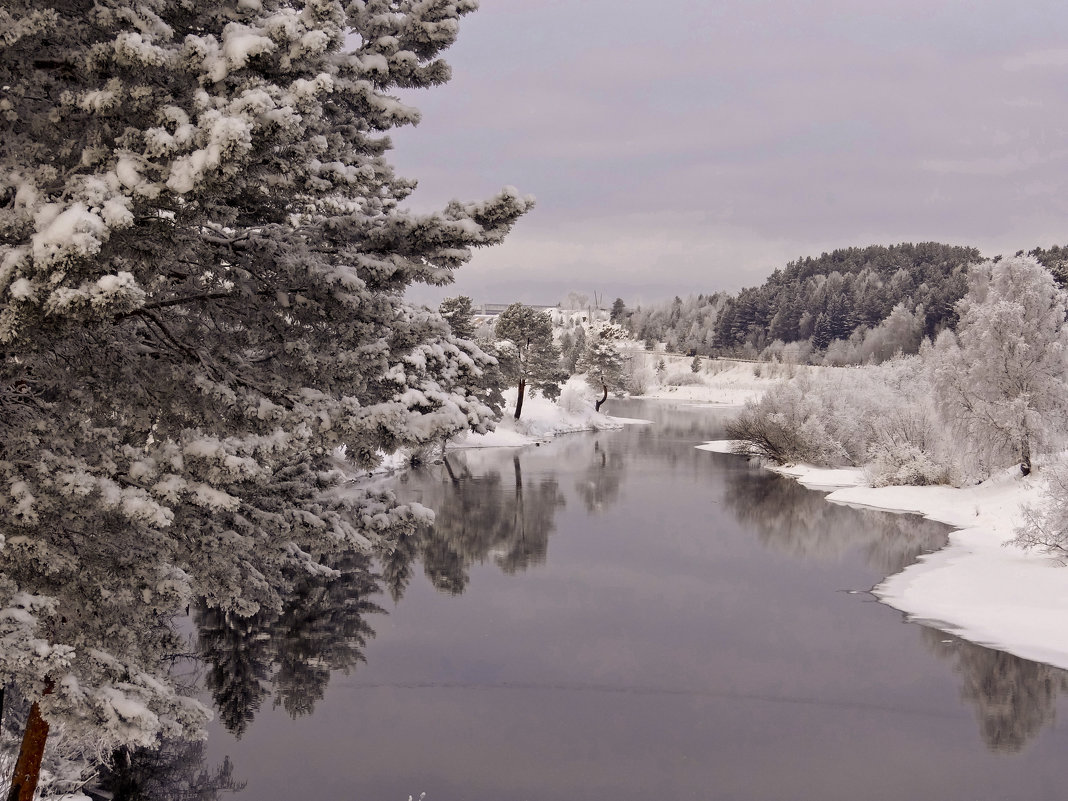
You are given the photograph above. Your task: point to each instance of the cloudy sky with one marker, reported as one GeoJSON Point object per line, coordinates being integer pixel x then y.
{"type": "Point", "coordinates": [685, 146]}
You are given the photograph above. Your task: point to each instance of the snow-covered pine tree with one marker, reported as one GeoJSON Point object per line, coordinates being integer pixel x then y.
{"type": "Point", "coordinates": [603, 366]}
{"type": "Point", "coordinates": [458, 313]}
{"type": "Point", "coordinates": [202, 255]}
{"type": "Point", "coordinates": [572, 353]}
{"type": "Point", "coordinates": [528, 355]}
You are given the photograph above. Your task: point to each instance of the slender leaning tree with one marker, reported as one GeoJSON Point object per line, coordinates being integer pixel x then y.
{"type": "Point", "coordinates": [202, 257]}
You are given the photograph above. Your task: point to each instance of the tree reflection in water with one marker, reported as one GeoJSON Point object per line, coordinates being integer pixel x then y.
{"type": "Point", "coordinates": [800, 522]}
{"type": "Point", "coordinates": [481, 516]}
{"type": "Point", "coordinates": [600, 482]}
{"type": "Point", "coordinates": [1014, 698]}
{"type": "Point", "coordinates": [496, 512]}
{"type": "Point", "coordinates": [320, 628]}
{"type": "Point", "coordinates": [173, 771]}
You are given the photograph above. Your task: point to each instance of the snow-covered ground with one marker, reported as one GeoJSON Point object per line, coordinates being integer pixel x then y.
{"type": "Point", "coordinates": [977, 587]}
{"type": "Point", "coordinates": [543, 419]}
{"type": "Point", "coordinates": [717, 381]}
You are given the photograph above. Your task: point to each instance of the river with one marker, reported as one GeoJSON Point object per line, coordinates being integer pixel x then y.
{"type": "Point", "coordinates": [617, 615]}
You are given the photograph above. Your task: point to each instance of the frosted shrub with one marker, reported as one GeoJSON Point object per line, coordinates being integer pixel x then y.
{"type": "Point", "coordinates": [855, 417]}
{"type": "Point", "coordinates": [773, 351]}
{"type": "Point", "coordinates": [574, 400]}
{"type": "Point", "coordinates": [639, 377]}
{"type": "Point", "coordinates": [903, 463]}
{"type": "Point", "coordinates": [681, 379]}
{"type": "Point", "coordinates": [880, 417]}
{"type": "Point", "coordinates": [789, 424]}
{"type": "Point", "coordinates": [838, 354]}
{"type": "Point", "coordinates": [907, 449]}
{"type": "Point", "coordinates": [1046, 523]}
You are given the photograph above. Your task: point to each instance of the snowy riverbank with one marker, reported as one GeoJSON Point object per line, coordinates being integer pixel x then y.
{"type": "Point", "coordinates": [977, 587]}
{"type": "Point", "coordinates": [543, 419]}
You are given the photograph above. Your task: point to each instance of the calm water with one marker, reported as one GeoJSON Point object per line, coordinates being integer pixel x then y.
{"type": "Point", "coordinates": [620, 616]}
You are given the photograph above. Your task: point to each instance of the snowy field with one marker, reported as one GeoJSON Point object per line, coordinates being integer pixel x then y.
{"type": "Point", "coordinates": [977, 587]}
{"type": "Point", "coordinates": [720, 382]}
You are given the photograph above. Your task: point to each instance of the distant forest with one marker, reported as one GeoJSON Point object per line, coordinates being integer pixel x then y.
{"type": "Point", "coordinates": [845, 307]}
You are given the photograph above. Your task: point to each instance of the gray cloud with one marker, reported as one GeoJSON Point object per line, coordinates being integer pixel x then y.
{"type": "Point", "coordinates": [693, 146]}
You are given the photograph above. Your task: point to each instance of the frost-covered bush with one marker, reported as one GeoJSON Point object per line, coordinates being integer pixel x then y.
{"type": "Point", "coordinates": [639, 375]}
{"type": "Point", "coordinates": [909, 446]}
{"type": "Point", "coordinates": [875, 416]}
{"type": "Point", "coordinates": [1045, 525]}
{"type": "Point", "coordinates": [794, 422]}
{"type": "Point", "coordinates": [574, 399]}
{"type": "Point", "coordinates": [679, 378]}
{"type": "Point", "coordinates": [903, 463]}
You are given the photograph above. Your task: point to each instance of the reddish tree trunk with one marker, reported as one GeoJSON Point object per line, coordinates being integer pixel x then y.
{"type": "Point", "coordinates": [519, 398]}
{"type": "Point", "coordinates": [28, 766]}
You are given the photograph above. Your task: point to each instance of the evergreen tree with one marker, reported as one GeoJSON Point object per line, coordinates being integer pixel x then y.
{"type": "Point", "coordinates": [574, 350]}
{"type": "Point", "coordinates": [603, 367]}
{"type": "Point", "coordinates": [618, 308]}
{"type": "Point", "coordinates": [822, 332]}
{"type": "Point", "coordinates": [203, 261]}
{"type": "Point", "coordinates": [459, 315]}
{"type": "Point", "coordinates": [528, 355]}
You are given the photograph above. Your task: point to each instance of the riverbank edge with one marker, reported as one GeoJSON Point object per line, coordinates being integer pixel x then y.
{"type": "Point", "coordinates": [980, 586]}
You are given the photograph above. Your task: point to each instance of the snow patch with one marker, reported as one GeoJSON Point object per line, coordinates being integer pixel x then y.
{"type": "Point", "coordinates": [543, 419]}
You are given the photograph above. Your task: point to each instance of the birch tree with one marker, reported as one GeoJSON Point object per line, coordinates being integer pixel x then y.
{"type": "Point", "coordinates": [1001, 381]}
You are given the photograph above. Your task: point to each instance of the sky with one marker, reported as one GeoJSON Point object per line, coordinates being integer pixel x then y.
{"type": "Point", "coordinates": [685, 146]}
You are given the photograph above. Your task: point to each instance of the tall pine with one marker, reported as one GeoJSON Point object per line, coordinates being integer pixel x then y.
{"type": "Point", "coordinates": [202, 258]}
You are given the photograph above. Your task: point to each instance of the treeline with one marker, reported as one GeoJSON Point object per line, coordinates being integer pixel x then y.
{"type": "Point", "coordinates": [844, 295]}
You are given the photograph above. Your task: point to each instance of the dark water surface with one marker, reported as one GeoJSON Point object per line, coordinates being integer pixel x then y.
{"type": "Point", "coordinates": [619, 616]}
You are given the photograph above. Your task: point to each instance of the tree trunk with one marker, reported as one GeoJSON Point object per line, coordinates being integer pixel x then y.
{"type": "Point", "coordinates": [28, 766]}
{"type": "Point", "coordinates": [519, 398]}
{"type": "Point", "coordinates": [597, 408]}
{"type": "Point", "coordinates": [1025, 457]}
{"type": "Point", "coordinates": [448, 469]}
